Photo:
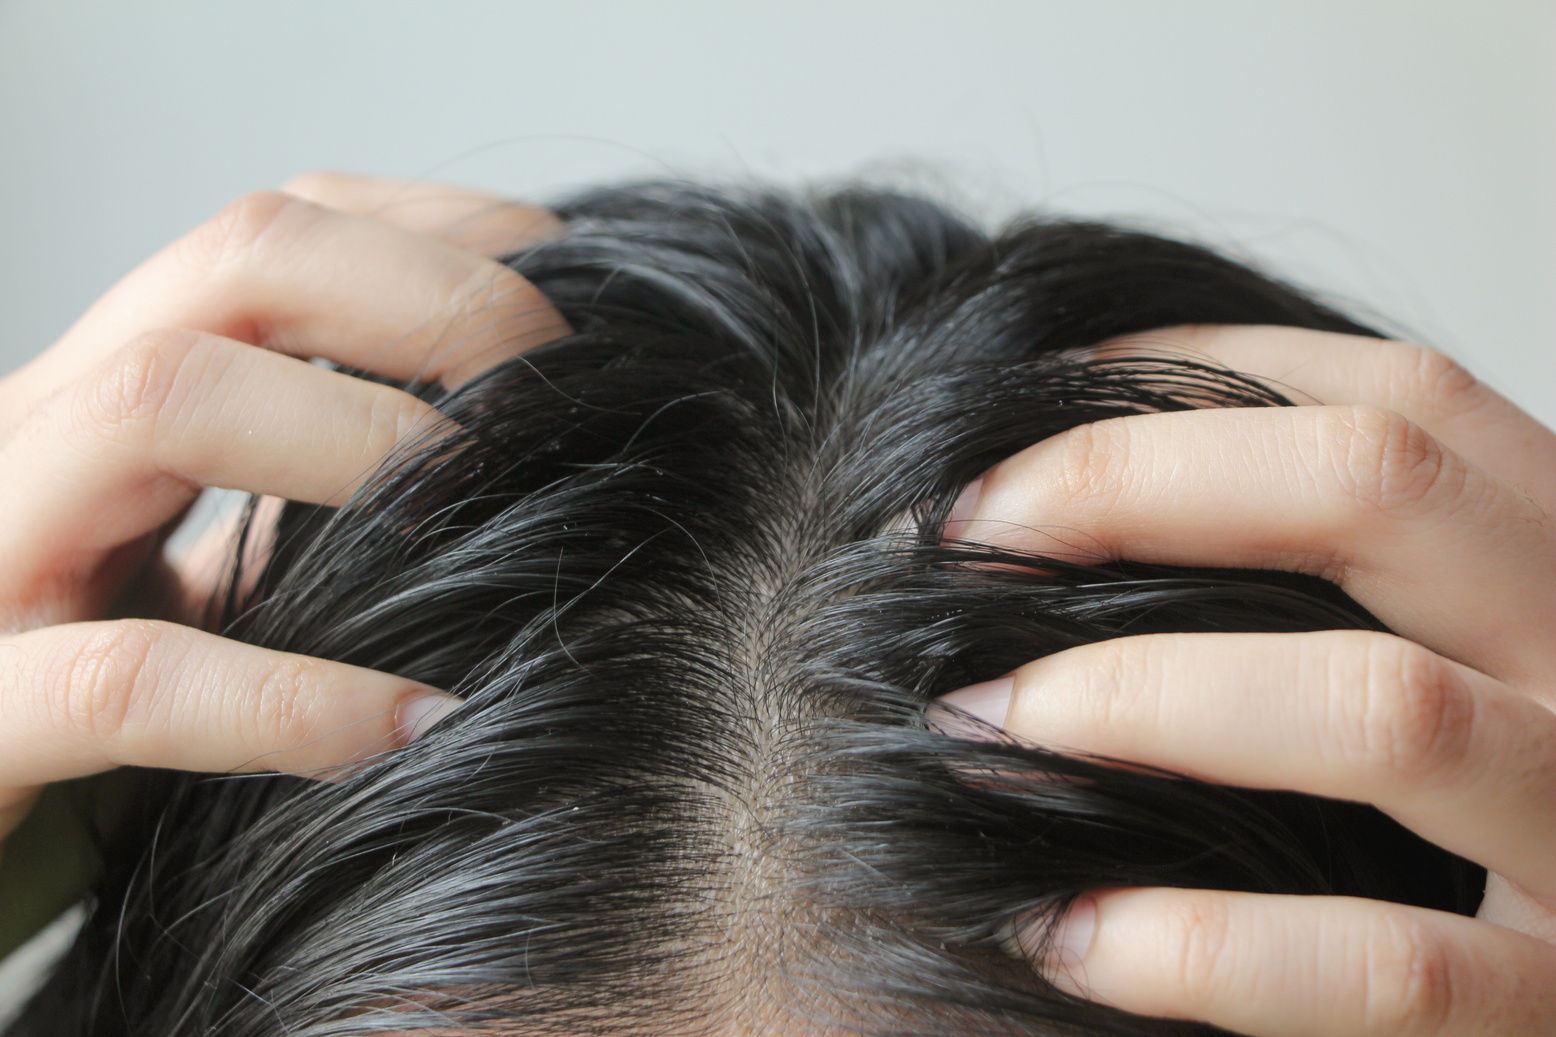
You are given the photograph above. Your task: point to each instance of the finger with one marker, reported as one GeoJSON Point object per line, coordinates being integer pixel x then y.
{"type": "Point", "coordinates": [1436, 548]}
{"type": "Point", "coordinates": [301, 279]}
{"type": "Point", "coordinates": [122, 451]}
{"type": "Point", "coordinates": [1290, 966]}
{"type": "Point", "coordinates": [1319, 367]}
{"type": "Point", "coordinates": [1513, 907]}
{"type": "Point", "coordinates": [86, 697]}
{"type": "Point", "coordinates": [1354, 715]}
{"type": "Point", "coordinates": [479, 221]}
{"type": "Point", "coordinates": [15, 805]}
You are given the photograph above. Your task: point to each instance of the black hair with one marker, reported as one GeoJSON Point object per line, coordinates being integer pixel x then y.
{"type": "Point", "coordinates": [686, 566]}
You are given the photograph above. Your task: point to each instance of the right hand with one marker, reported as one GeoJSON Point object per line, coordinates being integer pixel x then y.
{"type": "Point", "coordinates": [192, 372]}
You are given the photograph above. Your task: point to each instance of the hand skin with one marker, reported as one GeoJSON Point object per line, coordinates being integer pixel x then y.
{"type": "Point", "coordinates": [1426, 497]}
{"type": "Point", "coordinates": [192, 372]}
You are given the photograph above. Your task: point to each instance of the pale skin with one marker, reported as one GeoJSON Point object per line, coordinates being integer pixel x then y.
{"type": "Point", "coordinates": [1416, 489]}
{"type": "Point", "coordinates": [188, 374]}
{"type": "Point", "coordinates": [1427, 497]}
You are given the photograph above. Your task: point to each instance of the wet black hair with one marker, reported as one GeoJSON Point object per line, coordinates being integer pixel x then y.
{"type": "Point", "coordinates": [686, 566]}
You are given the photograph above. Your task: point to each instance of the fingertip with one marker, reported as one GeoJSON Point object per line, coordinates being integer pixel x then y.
{"type": "Point", "coordinates": [962, 511]}
{"type": "Point", "coordinates": [972, 712]}
{"type": "Point", "coordinates": [419, 714]}
{"type": "Point", "coordinates": [516, 318]}
{"type": "Point", "coordinates": [1058, 948]}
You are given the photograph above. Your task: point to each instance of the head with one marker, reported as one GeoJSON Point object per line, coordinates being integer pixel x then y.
{"type": "Point", "coordinates": [687, 569]}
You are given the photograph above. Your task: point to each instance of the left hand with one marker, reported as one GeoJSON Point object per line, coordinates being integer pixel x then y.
{"type": "Point", "coordinates": [1426, 497]}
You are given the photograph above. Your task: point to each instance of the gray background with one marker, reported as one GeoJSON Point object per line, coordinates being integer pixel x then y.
{"type": "Point", "coordinates": [1401, 155]}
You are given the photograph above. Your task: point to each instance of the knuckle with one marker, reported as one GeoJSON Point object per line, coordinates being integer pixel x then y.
{"type": "Point", "coordinates": [281, 704]}
{"type": "Point", "coordinates": [1444, 385]}
{"type": "Point", "coordinates": [1090, 465]}
{"type": "Point", "coordinates": [318, 184]}
{"type": "Point", "coordinates": [489, 286]}
{"type": "Point", "coordinates": [1200, 940]}
{"type": "Point", "coordinates": [134, 387]}
{"type": "Point", "coordinates": [103, 686]}
{"type": "Point", "coordinates": [241, 228]}
{"type": "Point", "coordinates": [1383, 461]}
{"type": "Point", "coordinates": [392, 416]}
{"type": "Point", "coordinates": [1407, 978]}
{"type": "Point", "coordinates": [1417, 715]}
{"type": "Point", "coordinates": [1123, 682]}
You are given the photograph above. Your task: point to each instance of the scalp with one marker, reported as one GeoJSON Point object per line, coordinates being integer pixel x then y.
{"type": "Point", "coordinates": [685, 568]}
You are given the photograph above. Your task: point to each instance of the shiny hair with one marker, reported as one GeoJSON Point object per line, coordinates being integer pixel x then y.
{"type": "Point", "coordinates": [686, 567]}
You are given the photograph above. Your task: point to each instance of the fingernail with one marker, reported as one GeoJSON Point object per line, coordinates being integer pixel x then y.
{"type": "Point", "coordinates": [962, 511]}
{"type": "Point", "coordinates": [989, 702]}
{"type": "Point", "coordinates": [416, 716]}
{"type": "Point", "coordinates": [1070, 943]}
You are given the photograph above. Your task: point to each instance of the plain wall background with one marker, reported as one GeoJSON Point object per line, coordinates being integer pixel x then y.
{"type": "Point", "coordinates": [1399, 154]}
